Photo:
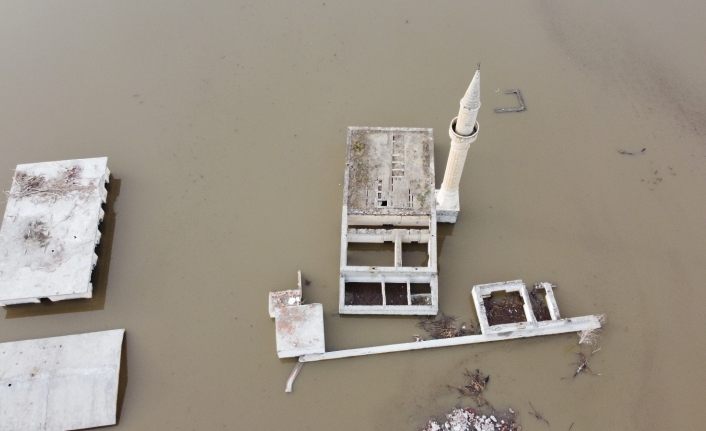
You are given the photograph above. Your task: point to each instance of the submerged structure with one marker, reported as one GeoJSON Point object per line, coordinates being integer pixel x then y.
{"type": "Point", "coordinates": [50, 230]}
{"type": "Point", "coordinates": [390, 212]}
{"type": "Point", "coordinates": [523, 326]}
{"type": "Point", "coordinates": [299, 327]}
{"type": "Point", "coordinates": [60, 383]}
{"type": "Point", "coordinates": [388, 206]}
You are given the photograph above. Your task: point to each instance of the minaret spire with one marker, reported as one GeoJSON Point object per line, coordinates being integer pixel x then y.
{"type": "Point", "coordinates": [463, 132]}
{"type": "Point", "coordinates": [470, 104]}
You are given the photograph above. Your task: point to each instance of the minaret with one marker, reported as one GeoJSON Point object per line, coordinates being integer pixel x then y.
{"type": "Point", "coordinates": [463, 132]}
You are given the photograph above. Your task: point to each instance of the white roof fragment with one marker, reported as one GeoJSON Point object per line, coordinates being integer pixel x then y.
{"type": "Point", "coordinates": [50, 230]}
{"type": "Point", "coordinates": [60, 383]}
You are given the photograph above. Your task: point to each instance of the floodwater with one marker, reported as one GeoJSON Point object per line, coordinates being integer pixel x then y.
{"type": "Point", "coordinates": [224, 123]}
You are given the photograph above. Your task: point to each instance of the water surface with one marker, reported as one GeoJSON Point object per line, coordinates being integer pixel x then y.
{"type": "Point", "coordinates": [224, 123]}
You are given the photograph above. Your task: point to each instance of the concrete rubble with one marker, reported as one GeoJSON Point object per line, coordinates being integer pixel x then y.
{"type": "Point", "coordinates": [469, 420]}
{"type": "Point", "coordinates": [60, 383]}
{"type": "Point", "coordinates": [50, 230]}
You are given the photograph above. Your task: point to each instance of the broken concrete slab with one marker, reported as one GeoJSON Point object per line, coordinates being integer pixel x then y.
{"type": "Point", "coordinates": [60, 383]}
{"type": "Point", "coordinates": [50, 230]}
{"type": "Point", "coordinates": [285, 298]}
{"type": "Point", "coordinates": [300, 330]}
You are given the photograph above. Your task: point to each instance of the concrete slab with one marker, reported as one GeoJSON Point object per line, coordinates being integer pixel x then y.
{"type": "Point", "coordinates": [300, 330]}
{"type": "Point", "coordinates": [60, 383]}
{"type": "Point", "coordinates": [285, 298]}
{"type": "Point", "coordinates": [50, 230]}
{"type": "Point", "coordinates": [390, 172]}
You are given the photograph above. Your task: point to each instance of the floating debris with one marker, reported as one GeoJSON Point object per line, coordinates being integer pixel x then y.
{"type": "Point", "coordinates": [539, 303]}
{"type": "Point", "coordinates": [582, 365]}
{"type": "Point", "coordinates": [476, 383]}
{"type": "Point", "coordinates": [520, 102]}
{"type": "Point", "coordinates": [632, 153]}
{"type": "Point", "coordinates": [504, 308]}
{"type": "Point", "coordinates": [443, 326]}
{"type": "Point", "coordinates": [537, 415]}
{"type": "Point", "coordinates": [591, 337]}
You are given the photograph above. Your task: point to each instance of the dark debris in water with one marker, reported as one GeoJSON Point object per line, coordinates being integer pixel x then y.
{"type": "Point", "coordinates": [443, 326]}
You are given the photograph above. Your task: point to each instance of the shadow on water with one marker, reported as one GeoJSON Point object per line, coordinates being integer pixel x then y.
{"type": "Point", "coordinates": [442, 231]}
{"type": "Point", "coordinates": [122, 379]}
{"type": "Point", "coordinates": [99, 278]}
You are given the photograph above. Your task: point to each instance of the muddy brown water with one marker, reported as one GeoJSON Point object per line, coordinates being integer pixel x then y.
{"type": "Point", "coordinates": [225, 127]}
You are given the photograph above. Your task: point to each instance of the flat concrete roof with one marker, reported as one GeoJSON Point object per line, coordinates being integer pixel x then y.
{"type": "Point", "coordinates": [390, 171]}
{"type": "Point", "coordinates": [50, 230]}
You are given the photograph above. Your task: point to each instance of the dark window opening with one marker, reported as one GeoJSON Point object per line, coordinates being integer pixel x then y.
{"type": "Point", "coordinates": [363, 294]}
{"type": "Point", "coordinates": [538, 298]}
{"type": "Point", "coordinates": [420, 293]}
{"type": "Point", "coordinates": [396, 293]}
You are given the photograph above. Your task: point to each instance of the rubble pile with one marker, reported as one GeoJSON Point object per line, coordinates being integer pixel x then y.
{"type": "Point", "coordinates": [470, 420]}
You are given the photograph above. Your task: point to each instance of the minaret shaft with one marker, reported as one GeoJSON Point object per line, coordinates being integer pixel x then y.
{"type": "Point", "coordinates": [463, 131]}
{"type": "Point", "coordinates": [454, 168]}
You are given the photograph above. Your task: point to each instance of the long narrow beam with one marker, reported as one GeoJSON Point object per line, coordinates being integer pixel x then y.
{"type": "Point", "coordinates": [549, 327]}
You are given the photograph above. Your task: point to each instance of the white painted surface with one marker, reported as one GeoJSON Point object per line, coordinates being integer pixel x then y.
{"type": "Point", "coordinates": [50, 230]}
{"type": "Point", "coordinates": [447, 197]}
{"type": "Point", "coordinates": [60, 383]}
{"type": "Point", "coordinates": [293, 376]}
